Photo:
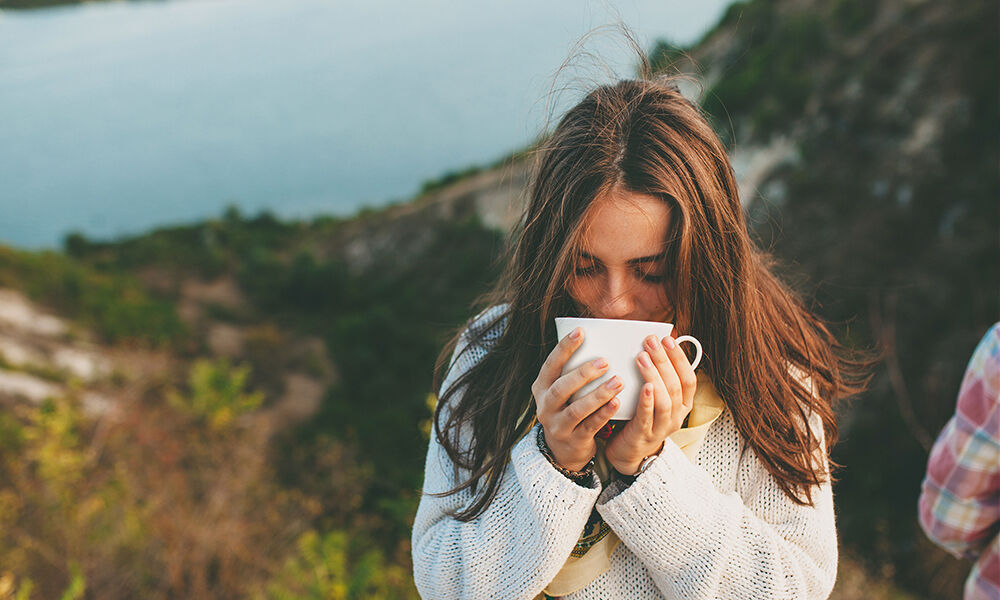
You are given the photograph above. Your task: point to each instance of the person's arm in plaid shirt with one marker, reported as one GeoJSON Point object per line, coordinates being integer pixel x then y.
{"type": "Point", "coordinates": [959, 498]}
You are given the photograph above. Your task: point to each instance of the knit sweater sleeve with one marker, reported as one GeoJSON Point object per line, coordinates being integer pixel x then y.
{"type": "Point", "coordinates": [699, 542]}
{"type": "Point", "coordinates": [517, 545]}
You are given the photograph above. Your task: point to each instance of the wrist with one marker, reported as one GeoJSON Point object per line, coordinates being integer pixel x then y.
{"type": "Point", "coordinates": [627, 469]}
{"type": "Point", "coordinates": [572, 466]}
{"type": "Point", "coordinates": [580, 473]}
{"type": "Point", "coordinates": [635, 468]}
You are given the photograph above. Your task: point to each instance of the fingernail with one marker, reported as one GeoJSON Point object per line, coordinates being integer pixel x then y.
{"type": "Point", "coordinates": [669, 342]}
{"type": "Point", "coordinates": [644, 360]}
{"type": "Point", "coordinates": [613, 383]}
{"type": "Point", "coordinates": [651, 342]}
{"type": "Point", "coordinates": [575, 334]}
{"type": "Point", "coordinates": [600, 363]}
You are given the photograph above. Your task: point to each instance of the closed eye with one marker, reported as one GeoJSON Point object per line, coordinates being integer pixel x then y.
{"type": "Point", "coordinates": [639, 274]}
{"type": "Point", "coordinates": [650, 278]}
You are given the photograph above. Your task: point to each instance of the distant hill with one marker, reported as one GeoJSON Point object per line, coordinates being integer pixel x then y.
{"type": "Point", "coordinates": [31, 4]}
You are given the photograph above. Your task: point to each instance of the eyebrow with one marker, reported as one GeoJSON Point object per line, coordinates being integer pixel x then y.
{"type": "Point", "coordinates": [631, 261]}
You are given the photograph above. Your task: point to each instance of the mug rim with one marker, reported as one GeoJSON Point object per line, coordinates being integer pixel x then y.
{"type": "Point", "coordinates": [612, 320]}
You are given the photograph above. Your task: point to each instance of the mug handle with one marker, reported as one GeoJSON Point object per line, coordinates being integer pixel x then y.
{"type": "Point", "coordinates": [697, 345]}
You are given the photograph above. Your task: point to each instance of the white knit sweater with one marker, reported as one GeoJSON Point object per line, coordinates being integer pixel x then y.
{"type": "Point", "coordinates": [721, 528]}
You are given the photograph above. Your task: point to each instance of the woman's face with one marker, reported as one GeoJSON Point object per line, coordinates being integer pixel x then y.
{"type": "Point", "coordinates": [619, 273]}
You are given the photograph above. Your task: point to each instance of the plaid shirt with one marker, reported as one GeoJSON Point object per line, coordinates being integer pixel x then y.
{"type": "Point", "coordinates": [960, 497]}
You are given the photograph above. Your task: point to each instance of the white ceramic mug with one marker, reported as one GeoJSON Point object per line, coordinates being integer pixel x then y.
{"type": "Point", "coordinates": [619, 341]}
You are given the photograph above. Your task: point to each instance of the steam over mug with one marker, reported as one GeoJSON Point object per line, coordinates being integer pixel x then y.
{"type": "Point", "coordinates": [619, 341]}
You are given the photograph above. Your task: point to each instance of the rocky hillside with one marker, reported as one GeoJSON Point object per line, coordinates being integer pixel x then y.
{"type": "Point", "coordinates": [884, 206]}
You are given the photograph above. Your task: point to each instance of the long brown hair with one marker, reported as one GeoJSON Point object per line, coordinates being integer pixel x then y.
{"type": "Point", "coordinates": [645, 136]}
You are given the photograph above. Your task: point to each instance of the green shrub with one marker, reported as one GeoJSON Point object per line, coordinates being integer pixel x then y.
{"type": "Point", "coordinates": [115, 305]}
{"type": "Point", "coordinates": [331, 567]}
{"type": "Point", "coordinates": [217, 392]}
{"type": "Point", "coordinates": [772, 74]}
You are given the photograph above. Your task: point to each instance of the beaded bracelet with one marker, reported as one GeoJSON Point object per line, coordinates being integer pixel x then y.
{"type": "Point", "coordinates": [579, 477]}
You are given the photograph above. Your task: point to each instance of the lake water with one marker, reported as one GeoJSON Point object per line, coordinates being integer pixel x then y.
{"type": "Point", "coordinates": [117, 117]}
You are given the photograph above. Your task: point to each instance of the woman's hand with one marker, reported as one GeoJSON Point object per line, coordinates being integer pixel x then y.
{"type": "Point", "coordinates": [570, 426]}
{"type": "Point", "coordinates": [665, 400]}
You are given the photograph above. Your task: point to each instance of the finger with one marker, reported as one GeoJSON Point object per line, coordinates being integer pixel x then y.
{"type": "Point", "coordinates": [567, 385]}
{"type": "Point", "coordinates": [599, 418]}
{"type": "Point", "coordinates": [583, 407]}
{"type": "Point", "coordinates": [553, 365]}
{"type": "Point", "coordinates": [682, 366]}
{"type": "Point", "coordinates": [644, 410]}
{"type": "Point", "coordinates": [668, 373]}
{"type": "Point", "coordinates": [651, 374]}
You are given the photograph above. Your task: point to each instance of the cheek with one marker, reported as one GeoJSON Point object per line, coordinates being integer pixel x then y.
{"type": "Point", "coordinates": [579, 291]}
{"type": "Point", "coordinates": [586, 292]}
{"type": "Point", "coordinates": [656, 299]}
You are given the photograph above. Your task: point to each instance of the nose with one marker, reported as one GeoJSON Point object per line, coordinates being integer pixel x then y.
{"type": "Point", "coordinates": [617, 301]}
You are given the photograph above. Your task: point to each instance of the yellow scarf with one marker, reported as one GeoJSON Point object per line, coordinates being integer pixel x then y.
{"type": "Point", "coordinates": [592, 555]}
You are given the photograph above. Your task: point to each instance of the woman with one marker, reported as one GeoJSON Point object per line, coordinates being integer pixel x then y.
{"type": "Point", "coordinates": [634, 214]}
